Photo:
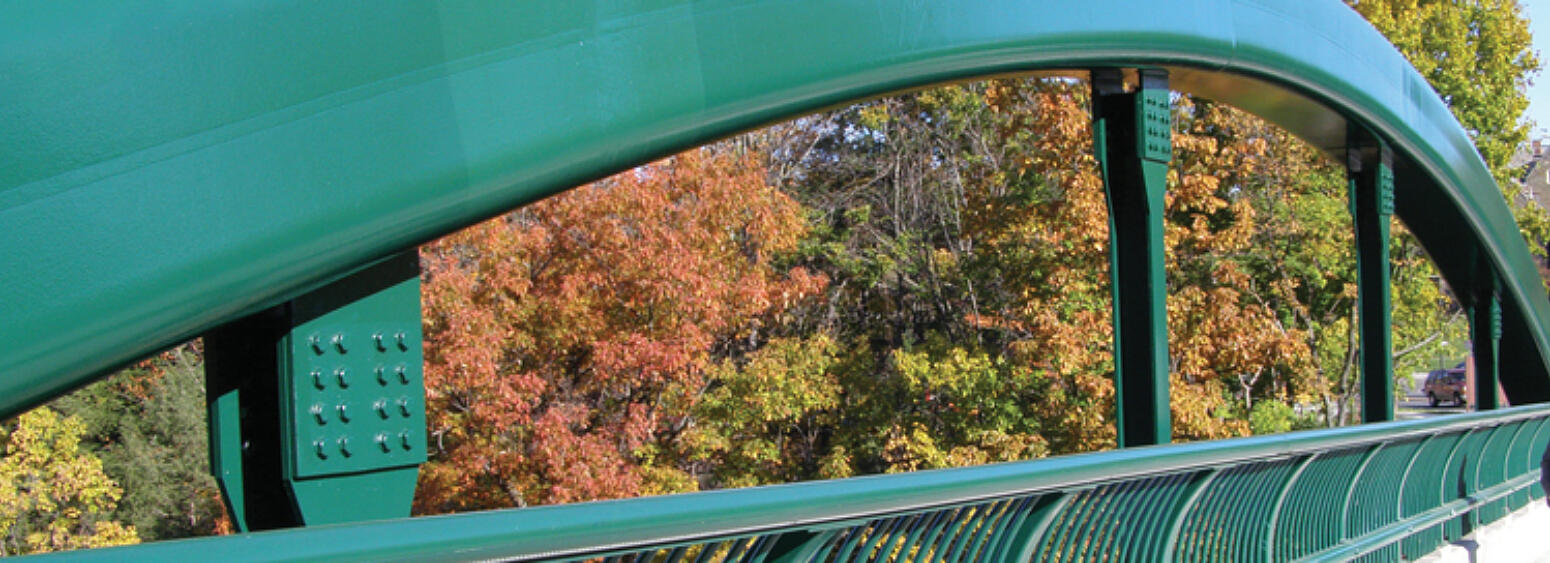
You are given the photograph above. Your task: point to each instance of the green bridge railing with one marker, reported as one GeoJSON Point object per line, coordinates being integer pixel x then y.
{"type": "Point", "coordinates": [1379, 491]}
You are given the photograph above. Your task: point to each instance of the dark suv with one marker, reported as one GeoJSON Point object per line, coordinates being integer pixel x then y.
{"type": "Point", "coordinates": [1445, 384]}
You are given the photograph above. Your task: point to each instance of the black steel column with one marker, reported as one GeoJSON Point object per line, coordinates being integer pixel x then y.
{"type": "Point", "coordinates": [1485, 336]}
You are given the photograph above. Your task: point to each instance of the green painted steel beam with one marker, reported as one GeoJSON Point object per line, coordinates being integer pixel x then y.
{"type": "Point", "coordinates": [1132, 138]}
{"type": "Point", "coordinates": [1485, 336]}
{"type": "Point", "coordinates": [163, 172]}
{"type": "Point", "coordinates": [1351, 488]}
{"type": "Point", "coordinates": [586, 529]}
{"type": "Point", "coordinates": [1034, 527]}
{"type": "Point", "coordinates": [1370, 166]}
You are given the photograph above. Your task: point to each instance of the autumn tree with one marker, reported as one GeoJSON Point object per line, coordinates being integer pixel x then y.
{"type": "Point", "coordinates": [53, 496]}
{"type": "Point", "coordinates": [1034, 247]}
{"type": "Point", "coordinates": [569, 343]}
{"type": "Point", "coordinates": [1040, 222]}
{"type": "Point", "coordinates": [965, 231]}
{"type": "Point", "coordinates": [914, 198]}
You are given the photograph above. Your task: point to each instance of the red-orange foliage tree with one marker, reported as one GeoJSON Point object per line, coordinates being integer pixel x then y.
{"type": "Point", "coordinates": [566, 343]}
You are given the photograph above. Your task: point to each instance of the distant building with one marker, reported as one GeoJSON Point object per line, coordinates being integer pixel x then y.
{"type": "Point", "coordinates": [1534, 184]}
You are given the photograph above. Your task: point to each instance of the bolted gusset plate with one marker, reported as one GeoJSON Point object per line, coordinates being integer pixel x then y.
{"type": "Point", "coordinates": [1385, 189]}
{"type": "Point", "coordinates": [1156, 123]}
{"type": "Point", "coordinates": [353, 392]}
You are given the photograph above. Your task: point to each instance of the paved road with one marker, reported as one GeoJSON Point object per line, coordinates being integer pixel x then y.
{"type": "Point", "coordinates": [1415, 406]}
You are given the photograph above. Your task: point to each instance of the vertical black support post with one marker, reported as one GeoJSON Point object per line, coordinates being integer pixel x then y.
{"type": "Point", "coordinates": [1132, 140]}
{"type": "Point", "coordinates": [240, 368]}
{"type": "Point", "coordinates": [799, 545]}
{"type": "Point", "coordinates": [1372, 204]}
{"type": "Point", "coordinates": [317, 406]}
{"type": "Point", "coordinates": [1485, 335]}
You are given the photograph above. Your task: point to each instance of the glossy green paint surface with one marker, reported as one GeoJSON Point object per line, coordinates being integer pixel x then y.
{"type": "Point", "coordinates": [1339, 491]}
{"type": "Point", "coordinates": [165, 171]}
{"type": "Point", "coordinates": [225, 447]}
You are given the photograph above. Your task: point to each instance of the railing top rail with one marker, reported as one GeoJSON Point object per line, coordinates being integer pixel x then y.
{"type": "Point", "coordinates": [597, 527]}
{"type": "Point", "coordinates": [172, 170]}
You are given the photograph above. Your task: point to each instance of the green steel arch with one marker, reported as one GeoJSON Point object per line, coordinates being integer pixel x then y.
{"type": "Point", "coordinates": [168, 174]}
{"type": "Point", "coordinates": [166, 171]}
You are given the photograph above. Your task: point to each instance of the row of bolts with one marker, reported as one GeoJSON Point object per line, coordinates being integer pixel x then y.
{"type": "Point", "coordinates": [321, 446]}
{"type": "Point", "coordinates": [338, 341]}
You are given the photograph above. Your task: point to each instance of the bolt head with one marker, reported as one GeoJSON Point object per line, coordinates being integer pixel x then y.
{"type": "Point", "coordinates": [338, 341]}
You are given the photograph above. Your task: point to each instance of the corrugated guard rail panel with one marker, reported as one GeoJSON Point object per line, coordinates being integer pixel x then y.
{"type": "Point", "coordinates": [1371, 492]}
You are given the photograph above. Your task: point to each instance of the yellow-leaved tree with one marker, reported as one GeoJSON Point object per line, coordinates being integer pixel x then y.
{"type": "Point", "coordinates": [53, 496]}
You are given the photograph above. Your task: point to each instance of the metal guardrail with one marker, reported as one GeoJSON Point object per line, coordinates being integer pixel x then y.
{"type": "Point", "coordinates": [1378, 490]}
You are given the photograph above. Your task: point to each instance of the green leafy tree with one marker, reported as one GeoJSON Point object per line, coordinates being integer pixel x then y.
{"type": "Point", "coordinates": [147, 424]}
{"type": "Point", "coordinates": [769, 420]}
{"type": "Point", "coordinates": [1478, 55]}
